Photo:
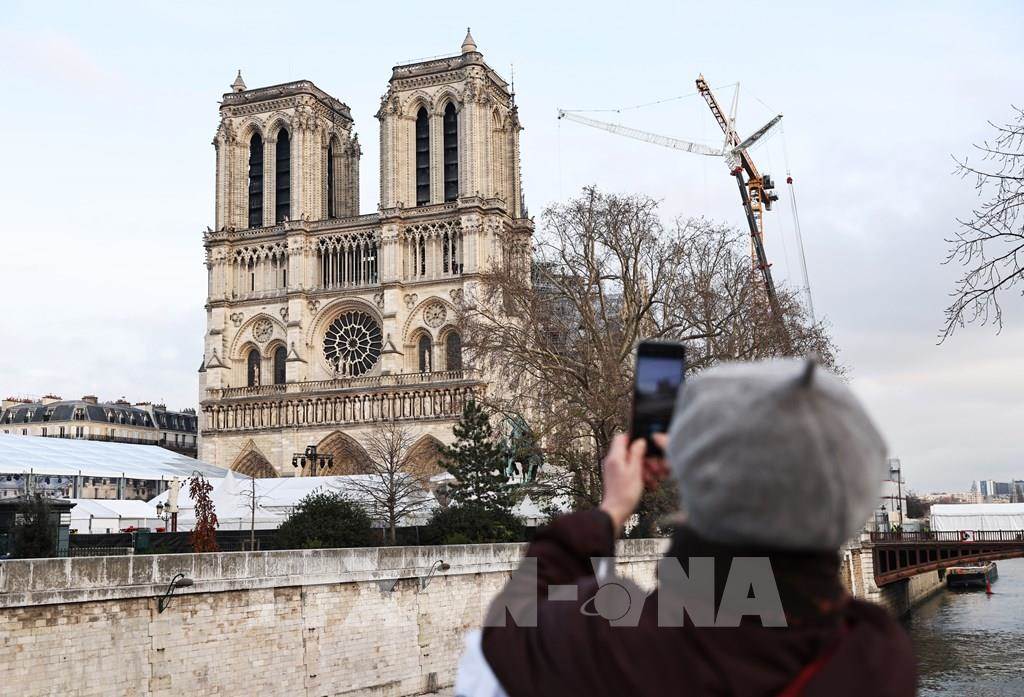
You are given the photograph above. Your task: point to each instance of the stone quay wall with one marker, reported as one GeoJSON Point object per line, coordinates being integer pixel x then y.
{"type": "Point", "coordinates": [301, 622]}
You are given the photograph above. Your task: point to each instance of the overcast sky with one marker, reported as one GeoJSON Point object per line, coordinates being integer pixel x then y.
{"type": "Point", "coordinates": [107, 177]}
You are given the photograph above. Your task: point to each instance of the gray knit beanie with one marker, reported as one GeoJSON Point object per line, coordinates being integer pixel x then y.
{"type": "Point", "coordinates": [779, 454]}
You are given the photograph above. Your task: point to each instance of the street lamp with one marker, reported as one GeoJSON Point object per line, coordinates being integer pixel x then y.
{"type": "Point", "coordinates": [314, 460]}
{"type": "Point", "coordinates": [163, 513]}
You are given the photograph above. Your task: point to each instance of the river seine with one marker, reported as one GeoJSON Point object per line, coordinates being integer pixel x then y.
{"type": "Point", "coordinates": [968, 643]}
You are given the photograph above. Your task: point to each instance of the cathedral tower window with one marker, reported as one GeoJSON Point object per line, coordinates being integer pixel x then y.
{"type": "Point", "coordinates": [279, 365]}
{"type": "Point", "coordinates": [422, 157]}
{"type": "Point", "coordinates": [423, 354]}
{"type": "Point", "coordinates": [451, 153]}
{"type": "Point", "coordinates": [283, 172]}
{"type": "Point", "coordinates": [253, 368]}
{"type": "Point", "coordinates": [331, 212]}
{"type": "Point", "coordinates": [256, 181]}
{"type": "Point", "coordinates": [453, 351]}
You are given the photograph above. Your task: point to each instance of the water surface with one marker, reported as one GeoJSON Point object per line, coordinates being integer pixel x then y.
{"type": "Point", "coordinates": [968, 643]}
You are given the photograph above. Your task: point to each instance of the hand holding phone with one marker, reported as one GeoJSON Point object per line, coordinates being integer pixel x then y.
{"type": "Point", "coordinates": [660, 367]}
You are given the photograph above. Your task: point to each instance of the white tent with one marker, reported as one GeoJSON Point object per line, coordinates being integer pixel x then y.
{"type": "Point", "coordinates": [112, 515]}
{"type": "Point", "coordinates": [277, 497]}
{"type": "Point", "coordinates": [977, 516]}
{"type": "Point", "coordinates": [231, 496]}
{"type": "Point", "coordinates": [68, 457]}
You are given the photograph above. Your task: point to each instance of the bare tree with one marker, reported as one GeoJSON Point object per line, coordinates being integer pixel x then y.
{"type": "Point", "coordinates": [253, 502]}
{"type": "Point", "coordinates": [394, 486]}
{"type": "Point", "coordinates": [561, 324]}
{"type": "Point", "coordinates": [990, 243]}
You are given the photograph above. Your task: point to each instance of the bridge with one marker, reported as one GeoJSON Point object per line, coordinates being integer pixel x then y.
{"type": "Point", "coordinates": [899, 555]}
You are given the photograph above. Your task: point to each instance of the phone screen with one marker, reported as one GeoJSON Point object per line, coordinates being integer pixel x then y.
{"type": "Point", "coordinates": [660, 367]}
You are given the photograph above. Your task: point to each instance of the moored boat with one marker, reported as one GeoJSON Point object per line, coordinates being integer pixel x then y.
{"type": "Point", "coordinates": [972, 575]}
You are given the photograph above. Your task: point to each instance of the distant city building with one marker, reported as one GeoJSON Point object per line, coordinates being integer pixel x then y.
{"type": "Point", "coordinates": [89, 419]}
{"type": "Point", "coordinates": [991, 491]}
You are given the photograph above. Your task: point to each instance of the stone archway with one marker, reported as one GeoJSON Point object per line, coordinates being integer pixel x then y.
{"type": "Point", "coordinates": [252, 463]}
{"type": "Point", "coordinates": [424, 457]}
{"type": "Point", "coordinates": [349, 456]}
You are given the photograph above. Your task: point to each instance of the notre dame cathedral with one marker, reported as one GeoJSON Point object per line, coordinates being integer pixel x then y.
{"type": "Point", "coordinates": [322, 322]}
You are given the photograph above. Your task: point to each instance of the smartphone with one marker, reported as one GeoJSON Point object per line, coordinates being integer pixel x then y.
{"type": "Point", "coordinates": [660, 367]}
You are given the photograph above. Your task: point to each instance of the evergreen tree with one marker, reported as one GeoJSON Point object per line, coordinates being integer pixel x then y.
{"type": "Point", "coordinates": [35, 535]}
{"type": "Point", "coordinates": [478, 461]}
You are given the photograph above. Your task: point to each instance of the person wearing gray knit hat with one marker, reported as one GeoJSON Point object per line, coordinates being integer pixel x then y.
{"type": "Point", "coordinates": [776, 454]}
{"type": "Point", "coordinates": [777, 465]}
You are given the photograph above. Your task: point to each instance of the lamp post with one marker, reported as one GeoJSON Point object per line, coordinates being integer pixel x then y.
{"type": "Point", "coordinates": [313, 459]}
{"type": "Point", "coordinates": [163, 513]}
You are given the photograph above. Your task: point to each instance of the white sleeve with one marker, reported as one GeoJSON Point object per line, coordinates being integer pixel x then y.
{"type": "Point", "coordinates": [474, 677]}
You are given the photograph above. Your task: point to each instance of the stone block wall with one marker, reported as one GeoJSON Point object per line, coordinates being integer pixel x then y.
{"type": "Point", "coordinates": [303, 622]}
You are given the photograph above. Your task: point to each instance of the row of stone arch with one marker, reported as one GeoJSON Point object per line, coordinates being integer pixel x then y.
{"type": "Point", "coordinates": [348, 457]}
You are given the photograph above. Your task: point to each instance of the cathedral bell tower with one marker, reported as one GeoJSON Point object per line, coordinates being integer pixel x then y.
{"type": "Point", "coordinates": [449, 130]}
{"type": "Point", "coordinates": [323, 323]}
{"type": "Point", "coordinates": [284, 152]}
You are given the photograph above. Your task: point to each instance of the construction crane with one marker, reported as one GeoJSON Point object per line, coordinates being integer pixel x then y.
{"type": "Point", "coordinates": [756, 189]}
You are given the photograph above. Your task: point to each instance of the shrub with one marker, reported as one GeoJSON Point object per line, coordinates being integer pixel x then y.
{"type": "Point", "coordinates": [472, 523]}
{"type": "Point", "coordinates": [324, 520]}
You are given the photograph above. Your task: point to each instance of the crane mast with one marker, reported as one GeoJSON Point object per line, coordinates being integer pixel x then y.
{"type": "Point", "coordinates": [756, 193]}
{"type": "Point", "coordinates": [756, 189]}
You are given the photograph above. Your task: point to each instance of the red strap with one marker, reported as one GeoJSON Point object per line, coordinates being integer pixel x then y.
{"type": "Point", "coordinates": [796, 687]}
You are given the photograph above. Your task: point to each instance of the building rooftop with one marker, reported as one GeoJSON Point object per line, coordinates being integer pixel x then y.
{"type": "Point", "coordinates": [239, 97]}
{"type": "Point", "coordinates": [69, 457]}
{"type": "Point", "coordinates": [118, 413]}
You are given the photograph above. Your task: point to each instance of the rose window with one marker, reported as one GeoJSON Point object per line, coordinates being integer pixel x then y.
{"type": "Point", "coordinates": [352, 344]}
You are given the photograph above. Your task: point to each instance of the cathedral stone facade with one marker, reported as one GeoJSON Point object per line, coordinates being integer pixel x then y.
{"type": "Point", "coordinates": [322, 323]}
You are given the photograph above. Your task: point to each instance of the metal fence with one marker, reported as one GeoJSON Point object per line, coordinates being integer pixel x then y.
{"type": "Point", "coordinates": [101, 551]}
{"type": "Point", "coordinates": [948, 536]}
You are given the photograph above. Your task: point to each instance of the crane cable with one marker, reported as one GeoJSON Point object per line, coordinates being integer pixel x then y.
{"type": "Point", "coordinates": [796, 228]}
{"type": "Point", "coordinates": [619, 110]}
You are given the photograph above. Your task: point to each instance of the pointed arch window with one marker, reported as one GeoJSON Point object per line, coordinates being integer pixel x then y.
{"type": "Point", "coordinates": [256, 181]}
{"type": "Point", "coordinates": [422, 157]}
{"type": "Point", "coordinates": [331, 213]}
{"type": "Point", "coordinates": [451, 153]}
{"type": "Point", "coordinates": [280, 354]}
{"type": "Point", "coordinates": [453, 351]}
{"type": "Point", "coordinates": [283, 176]}
{"type": "Point", "coordinates": [423, 354]}
{"type": "Point", "coordinates": [253, 368]}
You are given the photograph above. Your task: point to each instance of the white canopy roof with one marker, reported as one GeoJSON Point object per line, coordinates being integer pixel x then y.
{"type": "Point", "coordinates": [112, 508]}
{"type": "Point", "coordinates": [68, 457]}
{"type": "Point", "coordinates": [112, 515]}
{"type": "Point", "coordinates": [977, 516]}
{"type": "Point", "coordinates": [276, 497]}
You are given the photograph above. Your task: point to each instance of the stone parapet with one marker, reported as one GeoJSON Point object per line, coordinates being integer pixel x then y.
{"type": "Point", "coordinates": [27, 582]}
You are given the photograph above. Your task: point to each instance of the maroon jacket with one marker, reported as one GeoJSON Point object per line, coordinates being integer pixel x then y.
{"type": "Point", "coordinates": [574, 651]}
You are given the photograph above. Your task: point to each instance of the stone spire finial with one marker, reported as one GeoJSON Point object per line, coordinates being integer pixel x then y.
{"type": "Point", "coordinates": [239, 84]}
{"type": "Point", "coordinates": [468, 45]}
